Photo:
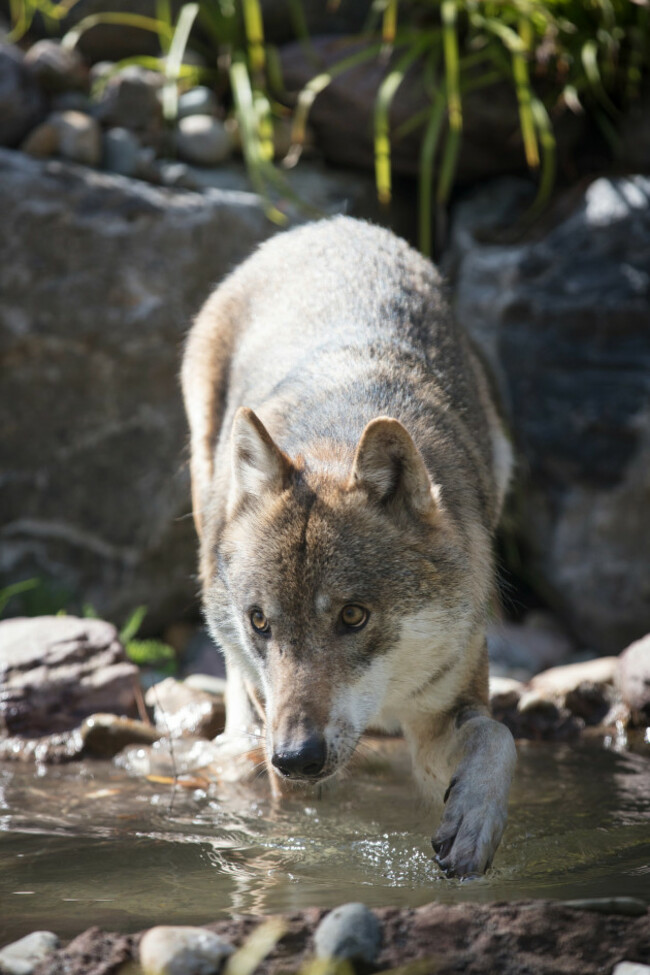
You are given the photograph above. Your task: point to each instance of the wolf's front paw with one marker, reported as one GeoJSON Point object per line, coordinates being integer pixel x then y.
{"type": "Point", "coordinates": [470, 831]}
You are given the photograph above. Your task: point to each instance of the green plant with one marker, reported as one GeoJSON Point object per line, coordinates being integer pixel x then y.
{"type": "Point", "coordinates": [582, 55]}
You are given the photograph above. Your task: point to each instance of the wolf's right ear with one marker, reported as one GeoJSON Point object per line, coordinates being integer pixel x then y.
{"type": "Point", "coordinates": [258, 464]}
{"type": "Point", "coordinates": [389, 466]}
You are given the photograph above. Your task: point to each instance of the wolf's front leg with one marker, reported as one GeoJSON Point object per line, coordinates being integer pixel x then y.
{"type": "Point", "coordinates": [480, 755]}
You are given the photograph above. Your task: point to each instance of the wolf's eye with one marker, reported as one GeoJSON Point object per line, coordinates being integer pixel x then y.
{"type": "Point", "coordinates": [259, 621]}
{"type": "Point", "coordinates": [354, 617]}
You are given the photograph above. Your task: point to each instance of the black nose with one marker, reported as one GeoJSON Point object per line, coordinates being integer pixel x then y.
{"type": "Point", "coordinates": [303, 760]}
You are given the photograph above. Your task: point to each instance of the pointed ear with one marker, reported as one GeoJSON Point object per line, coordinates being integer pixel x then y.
{"type": "Point", "coordinates": [258, 465]}
{"type": "Point", "coordinates": [389, 466]}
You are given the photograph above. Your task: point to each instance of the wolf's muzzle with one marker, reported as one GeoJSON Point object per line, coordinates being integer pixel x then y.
{"type": "Point", "coordinates": [302, 760]}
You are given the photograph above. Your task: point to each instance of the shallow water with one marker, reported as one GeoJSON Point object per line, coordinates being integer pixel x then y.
{"type": "Point", "coordinates": [85, 844]}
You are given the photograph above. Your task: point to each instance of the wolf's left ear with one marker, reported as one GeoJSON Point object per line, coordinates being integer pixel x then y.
{"type": "Point", "coordinates": [389, 466]}
{"type": "Point", "coordinates": [258, 464]}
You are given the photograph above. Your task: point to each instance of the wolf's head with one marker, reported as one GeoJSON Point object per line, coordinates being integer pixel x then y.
{"type": "Point", "coordinates": [344, 598]}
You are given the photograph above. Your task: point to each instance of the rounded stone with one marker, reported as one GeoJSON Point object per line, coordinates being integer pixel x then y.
{"type": "Point", "coordinates": [80, 138]}
{"type": "Point", "coordinates": [121, 151]}
{"type": "Point", "coordinates": [167, 950]}
{"type": "Point", "coordinates": [56, 68]}
{"type": "Point", "coordinates": [22, 957]}
{"type": "Point", "coordinates": [202, 140]}
{"type": "Point", "coordinates": [350, 931]}
{"type": "Point", "coordinates": [42, 142]}
{"type": "Point", "coordinates": [197, 101]}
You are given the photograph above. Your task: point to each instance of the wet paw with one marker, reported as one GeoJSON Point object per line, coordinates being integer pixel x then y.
{"type": "Point", "coordinates": [469, 833]}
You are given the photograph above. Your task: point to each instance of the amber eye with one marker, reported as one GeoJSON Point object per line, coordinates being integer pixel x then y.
{"type": "Point", "coordinates": [259, 621]}
{"type": "Point", "coordinates": [354, 617]}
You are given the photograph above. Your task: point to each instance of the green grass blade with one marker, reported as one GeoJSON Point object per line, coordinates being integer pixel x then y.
{"type": "Point", "coordinates": [71, 38]}
{"type": "Point", "coordinates": [427, 156]}
{"type": "Point", "coordinates": [525, 95]}
{"type": "Point", "coordinates": [544, 128]}
{"type": "Point", "coordinates": [389, 23]}
{"type": "Point", "coordinates": [133, 624]}
{"type": "Point", "coordinates": [448, 11]}
{"type": "Point", "coordinates": [248, 126]}
{"type": "Point", "coordinates": [14, 590]}
{"type": "Point", "coordinates": [174, 59]}
{"type": "Point", "coordinates": [448, 165]}
{"type": "Point", "coordinates": [254, 29]}
{"type": "Point", "coordinates": [385, 95]}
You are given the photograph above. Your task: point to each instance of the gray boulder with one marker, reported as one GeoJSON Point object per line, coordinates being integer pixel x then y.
{"type": "Point", "coordinates": [563, 321]}
{"type": "Point", "coordinates": [99, 278]}
{"type": "Point", "coordinates": [57, 670]}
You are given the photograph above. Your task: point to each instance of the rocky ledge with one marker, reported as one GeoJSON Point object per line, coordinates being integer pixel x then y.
{"type": "Point", "coordinates": [596, 937]}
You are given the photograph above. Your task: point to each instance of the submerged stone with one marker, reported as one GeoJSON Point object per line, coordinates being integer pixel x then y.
{"type": "Point", "coordinates": [104, 735]}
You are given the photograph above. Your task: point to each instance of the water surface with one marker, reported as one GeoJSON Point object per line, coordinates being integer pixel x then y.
{"type": "Point", "coordinates": [86, 844]}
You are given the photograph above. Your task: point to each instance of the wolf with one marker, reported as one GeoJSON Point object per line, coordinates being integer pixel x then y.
{"type": "Point", "coordinates": [348, 469]}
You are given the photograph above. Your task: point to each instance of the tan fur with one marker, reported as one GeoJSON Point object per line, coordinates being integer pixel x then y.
{"type": "Point", "coordinates": [346, 453]}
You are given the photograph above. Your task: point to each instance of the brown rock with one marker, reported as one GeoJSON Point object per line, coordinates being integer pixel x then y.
{"type": "Point", "coordinates": [57, 670]}
{"type": "Point", "coordinates": [180, 710]}
{"type": "Point", "coordinates": [536, 937]}
{"type": "Point", "coordinates": [57, 68]}
{"type": "Point", "coordinates": [43, 141]}
{"type": "Point", "coordinates": [80, 137]}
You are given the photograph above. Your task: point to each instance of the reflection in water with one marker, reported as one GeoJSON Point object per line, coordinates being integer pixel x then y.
{"type": "Point", "coordinates": [83, 845]}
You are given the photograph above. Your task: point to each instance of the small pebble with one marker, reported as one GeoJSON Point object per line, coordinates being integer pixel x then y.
{"type": "Point", "coordinates": [22, 957]}
{"type": "Point", "coordinates": [80, 138]}
{"type": "Point", "coordinates": [202, 140]}
{"type": "Point", "coordinates": [121, 151]}
{"type": "Point", "coordinates": [197, 101]}
{"type": "Point", "coordinates": [182, 951]}
{"type": "Point", "coordinates": [631, 968]}
{"type": "Point", "coordinates": [350, 931]}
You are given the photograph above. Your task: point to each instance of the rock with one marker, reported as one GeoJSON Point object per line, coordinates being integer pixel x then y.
{"type": "Point", "coordinates": [21, 103]}
{"type": "Point", "coordinates": [207, 683]}
{"type": "Point", "coordinates": [22, 957]}
{"type": "Point", "coordinates": [527, 648]}
{"type": "Point", "coordinates": [43, 141]}
{"type": "Point", "coordinates": [121, 152]}
{"type": "Point", "coordinates": [80, 137]}
{"type": "Point", "coordinates": [197, 101]}
{"type": "Point", "coordinates": [182, 951]}
{"type": "Point", "coordinates": [202, 140]}
{"type": "Point", "coordinates": [72, 101]}
{"type": "Point", "coordinates": [504, 694]}
{"type": "Point", "coordinates": [181, 710]}
{"type": "Point", "coordinates": [539, 718]}
{"type": "Point", "coordinates": [633, 680]}
{"type": "Point", "coordinates": [342, 114]}
{"type": "Point", "coordinates": [57, 68]}
{"type": "Point", "coordinates": [351, 931]}
{"type": "Point", "coordinates": [130, 101]}
{"type": "Point", "coordinates": [631, 968]}
{"type": "Point", "coordinates": [90, 332]}
{"type": "Point", "coordinates": [57, 670]}
{"type": "Point", "coordinates": [585, 689]}
{"type": "Point", "coordinates": [562, 320]}
{"type": "Point", "coordinates": [104, 735]}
